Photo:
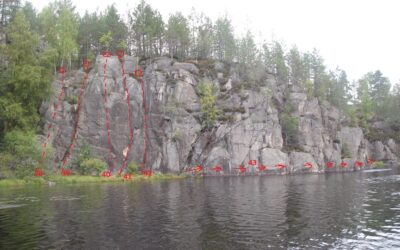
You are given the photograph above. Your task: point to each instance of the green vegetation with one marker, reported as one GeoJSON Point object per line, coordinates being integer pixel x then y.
{"type": "Point", "coordinates": [76, 179]}
{"type": "Point", "coordinates": [92, 166]}
{"type": "Point", "coordinates": [132, 168]}
{"type": "Point", "coordinates": [290, 126]}
{"type": "Point", "coordinates": [81, 156]}
{"type": "Point", "coordinates": [378, 164]}
{"type": "Point", "coordinates": [208, 104]}
{"type": "Point", "coordinates": [38, 43]}
{"type": "Point", "coordinates": [345, 151]}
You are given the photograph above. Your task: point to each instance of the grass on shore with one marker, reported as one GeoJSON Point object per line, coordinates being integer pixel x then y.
{"type": "Point", "coordinates": [58, 179]}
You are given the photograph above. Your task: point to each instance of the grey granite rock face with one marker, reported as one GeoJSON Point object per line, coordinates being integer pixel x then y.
{"type": "Point", "coordinates": [248, 128]}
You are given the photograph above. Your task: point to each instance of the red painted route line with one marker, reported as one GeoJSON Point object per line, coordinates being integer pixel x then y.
{"type": "Point", "coordinates": [67, 154]}
{"type": "Point", "coordinates": [53, 116]}
{"type": "Point", "coordinates": [105, 97]}
{"type": "Point", "coordinates": [128, 102]}
{"type": "Point", "coordinates": [145, 124]}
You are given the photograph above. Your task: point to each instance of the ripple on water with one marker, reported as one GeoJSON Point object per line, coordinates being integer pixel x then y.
{"type": "Point", "coordinates": [64, 198]}
{"type": "Point", "coordinates": [8, 206]}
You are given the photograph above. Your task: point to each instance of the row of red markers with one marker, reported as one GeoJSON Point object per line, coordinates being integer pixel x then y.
{"type": "Point", "coordinates": [279, 166]}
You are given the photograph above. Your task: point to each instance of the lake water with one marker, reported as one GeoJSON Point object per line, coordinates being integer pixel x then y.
{"type": "Point", "coordinates": [358, 210]}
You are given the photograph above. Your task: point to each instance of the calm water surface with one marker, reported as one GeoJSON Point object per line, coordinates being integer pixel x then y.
{"type": "Point", "coordinates": [334, 211]}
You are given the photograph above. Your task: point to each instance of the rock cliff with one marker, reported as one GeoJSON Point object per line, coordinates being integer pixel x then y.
{"type": "Point", "coordinates": [249, 126]}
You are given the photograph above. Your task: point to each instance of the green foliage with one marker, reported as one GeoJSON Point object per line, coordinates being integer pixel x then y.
{"type": "Point", "coordinates": [224, 39]}
{"type": "Point", "coordinates": [25, 82]}
{"type": "Point", "coordinates": [177, 35]}
{"type": "Point", "coordinates": [345, 151]}
{"type": "Point", "coordinates": [378, 164]}
{"type": "Point", "coordinates": [84, 153]}
{"type": "Point", "coordinates": [290, 126]}
{"type": "Point", "coordinates": [177, 136]}
{"type": "Point", "coordinates": [19, 153]}
{"type": "Point", "coordinates": [105, 40]}
{"type": "Point", "coordinates": [72, 100]}
{"type": "Point", "coordinates": [59, 25]}
{"type": "Point", "coordinates": [247, 50]}
{"type": "Point", "coordinates": [201, 35]}
{"type": "Point", "coordinates": [133, 168]}
{"type": "Point", "coordinates": [147, 28]}
{"type": "Point", "coordinates": [113, 23]}
{"type": "Point", "coordinates": [92, 165]}
{"type": "Point", "coordinates": [208, 103]}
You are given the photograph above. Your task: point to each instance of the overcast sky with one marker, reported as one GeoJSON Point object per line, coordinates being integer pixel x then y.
{"type": "Point", "coordinates": [357, 35]}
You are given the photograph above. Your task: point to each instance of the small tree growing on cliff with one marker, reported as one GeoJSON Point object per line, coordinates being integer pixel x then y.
{"type": "Point", "coordinates": [290, 126]}
{"type": "Point", "coordinates": [208, 103]}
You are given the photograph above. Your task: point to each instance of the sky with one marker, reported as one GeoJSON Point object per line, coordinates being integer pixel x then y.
{"type": "Point", "coordinates": [356, 35]}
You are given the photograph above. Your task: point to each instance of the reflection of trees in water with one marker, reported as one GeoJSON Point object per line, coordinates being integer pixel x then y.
{"type": "Point", "coordinates": [295, 221]}
{"type": "Point", "coordinates": [19, 227]}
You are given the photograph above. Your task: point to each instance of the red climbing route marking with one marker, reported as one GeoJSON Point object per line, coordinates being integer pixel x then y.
{"type": "Point", "coordinates": [86, 64]}
{"type": "Point", "coordinates": [107, 53]}
{"type": "Point", "coordinates": [252, 162]}
{"type": "Point", "coordinates": [280, 166]}
{"type": "Point", "coordinates": [126, 90]}
{"type": "Point", "coordinates": [127, 176]}
{"type": "Point", "coordinates": [120, 53]}
{"type": "Point", "coordinates": [106, 173]}
{"type": "Point", "coordinates": [242, 169]}
{"type": "Point", "coordinates": [330, 164]}
{"type": "Point", "coordinates": [38, 172]}
{"type": "Point", "coordinates": [74, 135]}
{"type": "Point", "coordinates": [343, 164]}
{"type": "Point", "coordinates": [65, 172]}
{"type": "Point", "coordinates": [359, 164]}
{"type": "Point", "coordinates": [217, 169]}
{"type": "Point", "coordinates": [147, 172]}
{"type": "Point", "coordinates": [262, 168]}
{"type": "Point", "coordinates": [138, 73]}
{"type": "Point", "coordinates": [61, 70]}
{"type": "Point", "coordinates": [308, 165]}
{"type": "Point", "coordinates": [198, 169]}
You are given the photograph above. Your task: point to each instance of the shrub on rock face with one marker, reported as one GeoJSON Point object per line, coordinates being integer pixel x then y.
{"type": "Point", "coordinates": [92, 165]}
{"type": "Point", "coordinates": [378, 164]}
{"type": "Point", "coordinates": [208, 100]}
{"type": "Point", "coordinates": [345, 151]}
{"type": "Point", "coordinates": [133, 168]}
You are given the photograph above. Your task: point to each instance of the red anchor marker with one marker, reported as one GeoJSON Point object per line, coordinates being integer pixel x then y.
{"type": "Point", "coordinates": [242, 169]}
{"type": "Point", "coordinates": [138, 73]}
{"type": "Point", "coordinates": [85, 64]}
{"type": "Point", "coordinates": [120, 53]}
{"type": "Point", "coordinates": [308, 165]}
{"type": "Point", "coordinates": [147, 172]}
{"type": "Point", "coordinates": [38, 172]}
{"type": "Point", "coordinates": [106, 173]}
{"type": "Point", "coordinates": [107, 53]}
{"type": "Point", "coordinates": [262, 168]}
{"type": "Point", "coordinates": [280, 166]}
{"type": "Point", "coordinates": [330, 164]}
{"type": "Point", "coordinates": [359, 164]}
{"type": "Point", "coordinates": [252, 162]}
{"type": "Point", "coordinates": [217, 169]}
{"type": "Point", "coordinates": [127, 176]}
{"type": "Point", "coordinates": [65, 172]}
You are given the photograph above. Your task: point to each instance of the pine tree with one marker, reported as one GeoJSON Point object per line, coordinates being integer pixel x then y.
{"type": "Point", "coordinates": [26, 81]}
{"type": "Point", "coordinates": [177, 35]}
